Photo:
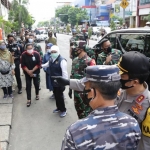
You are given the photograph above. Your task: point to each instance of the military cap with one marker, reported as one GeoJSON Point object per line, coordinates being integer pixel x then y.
{"type": "Point", "coordinates": [100, 73]}
{"type": "Point", "coordinates": [80, 44]}
{"type": "Point", "coordinates": [134, 63]}
{"type": "Point", "coordinates": [103, 41]}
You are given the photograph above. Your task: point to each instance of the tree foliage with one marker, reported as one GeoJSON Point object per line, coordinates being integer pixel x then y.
{"type": "Point", "coordinates": [112, 23]}
{"type": "Point", "coordinates": [63, 10]}
{"type": "Point", "coordinates": [6, 25]}
{"type": "Point", "coordinates": [19, 14]}
{"type": "Point", "coordinates": [147, 18]}
{"type": "Point", "coordinates": [72, 15]}
{"type": "Point", "coordinates": [43, 24]}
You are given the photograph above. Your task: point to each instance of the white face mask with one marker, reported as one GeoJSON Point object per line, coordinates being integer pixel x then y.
{"type": "Point", "coordinates": [30, 51]}
{"type": "Point", "coordinates": [48, 50]}
{"type": "Point", "coordinates": [30, 40]}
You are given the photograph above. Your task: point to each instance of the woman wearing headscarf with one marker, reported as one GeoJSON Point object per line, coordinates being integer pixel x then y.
{"type": "Point", "coordinates": [47, 70]}
{"type": "Point", "coordinates": [58, 67]}
{"type": "Point", "coordinates": [7, 67]}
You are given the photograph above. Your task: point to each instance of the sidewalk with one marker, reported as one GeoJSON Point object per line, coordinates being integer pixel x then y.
{"type": "Point", "coordinates": [6, 108]}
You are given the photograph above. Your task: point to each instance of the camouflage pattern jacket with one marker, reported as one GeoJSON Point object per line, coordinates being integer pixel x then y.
{"type": "Point", "coordinates": [116, 54]}
{"type": "Point", "coordinates": [90, 52]}
{"type": "Point", "coordinates": [78, 66]}
{"type": "Point", "coordinates": [105, 128]}
{"type": "Point", "coordinates": [38, 49]}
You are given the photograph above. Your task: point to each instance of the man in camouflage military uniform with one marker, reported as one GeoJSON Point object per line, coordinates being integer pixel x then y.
{"type": "Point", "coordinates": [73, 39]}
{"type": "Point", "coordinates": [106, 127]}
{"type": "Point", "coordinates": [109, 56]}
{"type": "Point", "coordinates": [90, 52]}
{"type": "Point", "coordinates": [77, 72]}
{"type": "Point", "coordinates": [36, 48]}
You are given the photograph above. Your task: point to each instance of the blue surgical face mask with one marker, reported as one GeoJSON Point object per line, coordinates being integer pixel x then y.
{"type": "Point", "coordinates": [54, 55]}
{"type": "Point", "coordinates": [30, 40]}
{"type": "Point", "coordinates": [2, 47]}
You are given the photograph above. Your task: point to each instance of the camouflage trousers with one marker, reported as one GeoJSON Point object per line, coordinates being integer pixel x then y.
{"type": "Point", "coordinates": [82, 109]}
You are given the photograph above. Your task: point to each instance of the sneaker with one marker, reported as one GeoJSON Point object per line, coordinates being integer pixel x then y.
{"type": "Point", "coordinates": [11, 96]}
{"type": "Point", "coordinates": [52, 97]}
{"type": "Point", "coordinates": [5, 96]}
{"type": "Point", "coordinates": [19, 91]}
{"type": "Point", "coordinates": [56, 111]}
{"type": "Point", "coordinates": [63, 114]}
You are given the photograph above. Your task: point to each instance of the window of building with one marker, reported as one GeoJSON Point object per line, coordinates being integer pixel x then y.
{"type": "Point", "coordinates": [144, 2]}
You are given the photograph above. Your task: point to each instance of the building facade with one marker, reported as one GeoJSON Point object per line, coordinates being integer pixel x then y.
{"type": "Point", "coordinates": [89, 5]}
{"type": "Point", "coordinates": [143, 10]}
{"type": "Point", "coordinates": [4, 8]}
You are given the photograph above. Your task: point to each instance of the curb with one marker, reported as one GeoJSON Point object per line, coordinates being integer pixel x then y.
{"type": "Point", "coordinates": [6, 110]}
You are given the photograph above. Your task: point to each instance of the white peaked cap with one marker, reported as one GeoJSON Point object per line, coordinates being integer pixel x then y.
{"type": "Point", "coordinates": [55, 48]}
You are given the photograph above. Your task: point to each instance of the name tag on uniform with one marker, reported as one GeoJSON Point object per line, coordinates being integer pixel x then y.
{"type": "Point", "coordinates": [33, 58]}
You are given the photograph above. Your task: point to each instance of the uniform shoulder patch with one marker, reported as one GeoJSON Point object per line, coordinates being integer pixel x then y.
{"type": "Point", "coordinates": [140, 99]}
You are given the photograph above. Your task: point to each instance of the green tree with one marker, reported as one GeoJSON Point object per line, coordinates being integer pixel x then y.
{"type": "Point", "coordinates": [90, 32]}
{"type": "Point", "coordinates": [72, 15]}
{"type": "Point", "coordinates": [43, 24]}
{"type": "Point", "coordinates": [147, 17]}
{"type": "Point", "coordinates": [68, 28]}
{"type": "Point", "coordinates": [75, 15]}
{"type": "Point", "coordinates": [6, 25]}
{"type": "Point", "coordinates": [19, 14]}
{"type": "Point", "coordinates": [113, 25]}
{"type": "Point", "coordinates": [62, 13]}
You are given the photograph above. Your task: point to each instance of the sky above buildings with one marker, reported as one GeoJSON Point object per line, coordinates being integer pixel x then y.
{"type": "Point", "coordinates": [44, 9]}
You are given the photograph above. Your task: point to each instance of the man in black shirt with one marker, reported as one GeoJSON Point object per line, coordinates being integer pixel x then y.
{"type": "Point", "coordinates": [15, 50]}
{"type": "Point", "coordinates": [31, 64]}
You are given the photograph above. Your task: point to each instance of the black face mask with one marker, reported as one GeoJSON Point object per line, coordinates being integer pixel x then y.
{"type": "Point", "coordinates": [10, 41]}
{"type": "Point", "coordinates": [107, 50]}
{"type": "Point", "coordinates": [102, 34]}
{"type": "Point", "coordinates": [85, 94]}
{"type": "Point", "coordinates": [123, 82]}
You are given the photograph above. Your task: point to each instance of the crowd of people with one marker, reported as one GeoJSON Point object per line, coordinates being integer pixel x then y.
{"type": "Point", "coordinates": [111, 96]}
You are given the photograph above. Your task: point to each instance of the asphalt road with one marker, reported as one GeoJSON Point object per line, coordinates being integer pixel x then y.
{"type": "Point", "coordinates": [36, 127]}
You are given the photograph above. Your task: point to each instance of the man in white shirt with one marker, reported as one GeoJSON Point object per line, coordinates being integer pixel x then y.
{"type": "Point", "coordinates": [58, 67]}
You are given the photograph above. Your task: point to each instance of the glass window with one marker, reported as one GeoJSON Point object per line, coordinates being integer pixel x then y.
{"type": "Point", "coordinates": [147, 46]}
{"type": "Point", "coordinates": [133, 42]}
{"type": "Point", "coordinates": [113, 40]}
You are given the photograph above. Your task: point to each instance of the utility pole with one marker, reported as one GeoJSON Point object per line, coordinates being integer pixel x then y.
{"type": "Point", "coordinates": [123, 15]}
